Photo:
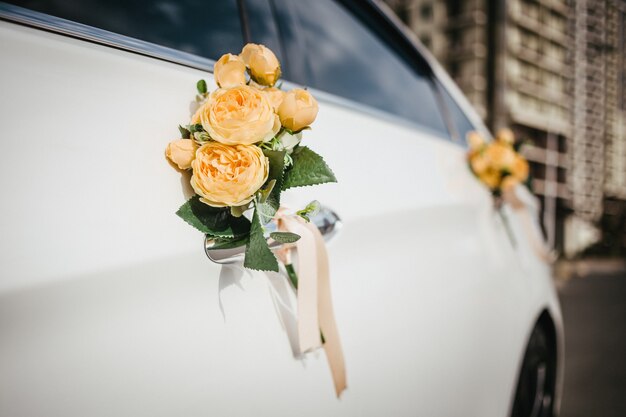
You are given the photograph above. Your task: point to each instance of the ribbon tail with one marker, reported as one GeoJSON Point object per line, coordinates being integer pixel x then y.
{"type": "Point", "coordinates": [328, 325]}
{"type": "Point", "coordinates": [533, 234]}
{"type": "Point", "coordinates": [307, 294]}
{"type": "Point", "coordinates": [534, 238]}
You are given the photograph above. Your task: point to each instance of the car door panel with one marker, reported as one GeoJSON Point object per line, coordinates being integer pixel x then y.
{"type": "Point", "coordinates": [109, 306]}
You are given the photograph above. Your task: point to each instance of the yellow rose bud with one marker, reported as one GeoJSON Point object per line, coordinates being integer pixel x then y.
{"type": "Point", "coordinates": [181, 152]}
{"type": "Point", "coordinates": [298, 110]}
{"type": "Point", "coordinates": [276, 96]}
{"type": "Point", "coordinates": [475, 140]}
{"type": "Point", "coordinates": [229, 71]}
{"type": "Point", "coordinates": [263, 64]}
{"type": "Point", "coordinates": [500, 156]}
{"type": "Point", "coordinates": [226, 175]}
{"type": "Point", "coordinates": [239, 115]}
{"type": "Point", "coordinates": [505, 135]}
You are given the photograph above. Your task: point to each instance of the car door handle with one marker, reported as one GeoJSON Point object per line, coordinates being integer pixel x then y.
{"type": "Point", "coordinates": [326, 220]}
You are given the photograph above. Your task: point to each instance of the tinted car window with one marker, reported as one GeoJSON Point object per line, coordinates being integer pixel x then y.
{"type": "Point", "coordinates": [262, 27]}
{"type": "Point", "coordinates": [201, 27]}
{"type": "Point", "coordinates": [460, 120]}
{"type": "Point", "coordinates": [348, 59]}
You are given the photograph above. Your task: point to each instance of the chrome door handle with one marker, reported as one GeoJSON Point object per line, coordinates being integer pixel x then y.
{"type": "Point", "coordinates": [326, 220]}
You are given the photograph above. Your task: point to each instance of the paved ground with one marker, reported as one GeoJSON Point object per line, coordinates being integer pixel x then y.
{"type": "Point", "coordinates": [594, 310]}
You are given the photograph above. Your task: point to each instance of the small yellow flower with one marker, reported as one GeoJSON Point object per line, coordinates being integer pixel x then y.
{"type": "Point", "coordinates": [276, 96]}
{"type": "Point", "coordinates": [520, 168]}
{"type": "Point", "coordinates": [297, 110]}
{"type": "Point", "coordinates": [181, 152]}
{"type": "Point", "coordinates": [229, 71]}
{"type": "Point", "coordinates": [505, 135]}
{"type": "Point", "coordinates": [475, 140]}
{"type": "Point", "coordinates": [500, 156]}
{"type": "Point", "coordinates": [263, 64]}
{"type": "Point", "coordinates": [226, 175]}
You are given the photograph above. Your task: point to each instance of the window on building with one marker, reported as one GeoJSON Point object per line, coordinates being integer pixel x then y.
{"type": "Point", "coordinates": [178, 24]}
{"type": "Point", "coordinates": [426, 11]}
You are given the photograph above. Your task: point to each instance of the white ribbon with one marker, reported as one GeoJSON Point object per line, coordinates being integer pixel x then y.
{"type": "Point", "coordinates": [315, 308]}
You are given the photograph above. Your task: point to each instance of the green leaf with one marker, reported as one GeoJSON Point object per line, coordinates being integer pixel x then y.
{"type": "Point", "coordinates": [201, 86]}
{"type": "Point", "coordinates": [310, 210]}
{"type": "Point", "coordinates": [264, 193]}
{"type": "Point", "coordinates": [277, 170]}
{"type": "Point", "coordinates": [285, 237]}
{"type": "Point", "coordinates": [308, 169]}
{"type": "Point", "coordinates": [266, 211]}
{"type": "Point", "coordinates": [214, 221]}
{"type": "Point", "coordinates": [184, 133]}
{"type": "Point", "coordinates": [195, 128]}
{"type": "Point", "coordinates": [229, 243]}
{"type": "Point", "coordinates": [258, 254]}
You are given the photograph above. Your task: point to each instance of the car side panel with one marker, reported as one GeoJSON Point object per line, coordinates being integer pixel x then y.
{"type": "Point", "coordinates": [108, 305]}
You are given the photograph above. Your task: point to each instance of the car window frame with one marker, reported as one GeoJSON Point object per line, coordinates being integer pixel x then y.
{"type": "Point", "coordinates": [52, 24]}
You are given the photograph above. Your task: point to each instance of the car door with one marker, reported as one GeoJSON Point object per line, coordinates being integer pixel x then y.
{"type": "Point", "coordinates": [108, 305]}
{"type": "Point", "coordinates": [429, 238]}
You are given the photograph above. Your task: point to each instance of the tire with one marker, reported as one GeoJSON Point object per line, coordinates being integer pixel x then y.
{"type": "Point", "coordinates": [534, 396]}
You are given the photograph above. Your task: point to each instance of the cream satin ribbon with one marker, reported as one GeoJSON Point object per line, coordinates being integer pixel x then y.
{"type": "Point", "coordinates": [315, 308]}
{"type": "Point", "coordinates": [533, 233]}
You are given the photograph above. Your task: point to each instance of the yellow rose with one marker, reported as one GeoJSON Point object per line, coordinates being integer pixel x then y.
{"type": "Point", "coordinates": [298, 110]}
{"type": "Point", "coordinates": [506, 135]}
{"type": "Point", "coordinates": [240, 115]}
{"type": "Point", "coordinates": [229, 71]}
{"type": "Point", "coordinates": [276, 96]}
{"type": "Point", "coordinates": [263, 64]}
{"type": "Point", "coordinates": [181, 152]}
{"type": "Point", "coordinates": [479, 163]}
{"type": "Point", "coordinates": [228, 175]}
{"type": "Point", "coordinates": [475, 140]}
{"type": "Point", "coordinates": [491, 178]}
{"type": "Point", "coordinates": [500, 156]}
{"type": "Point", "coordinates": [520, 168]}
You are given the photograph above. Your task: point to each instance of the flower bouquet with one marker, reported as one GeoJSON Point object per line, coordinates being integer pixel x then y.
{"type": "Point", "coordinates": [500, 167]}
{"type": "Point", "coordinates": [243, 148]}
{"type": "Point", "coordinates": [497, 164]}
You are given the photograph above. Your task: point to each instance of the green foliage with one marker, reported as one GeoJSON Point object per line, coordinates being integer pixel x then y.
{"type": "Point", "coordinates": [310, 210]}
{"type": "Point", "coordinates": [277, 170]}
{"type": "Point", "coordinates": [184, 133]}
{"type": "Point", "coordinates": [202, 87]}
{"type": "Point", "coordinates": [285, 237]}
{"type": "Point", "coordinates": [228, 243]}
{"type": "Point", "coordinates": [308, 169]}
{"type": "Point", "coordinates": [258, 254]}
{"type": "Point", "coordinates": [213, 221]}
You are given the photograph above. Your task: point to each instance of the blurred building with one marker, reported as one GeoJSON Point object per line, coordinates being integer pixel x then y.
{"type": "Point", "coordinates": [553, 71]}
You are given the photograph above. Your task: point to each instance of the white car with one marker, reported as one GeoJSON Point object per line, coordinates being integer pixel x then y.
{"type": "Point", "coordinates": [109, 305]}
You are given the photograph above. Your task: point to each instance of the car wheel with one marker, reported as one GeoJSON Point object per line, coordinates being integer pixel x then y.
{"type": "Point", "coordinates": [535, 389]}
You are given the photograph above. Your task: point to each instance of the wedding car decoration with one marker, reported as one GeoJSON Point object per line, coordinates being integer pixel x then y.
{"type": "Point", "coordinates": [499, 166]}
{"type": "Point", "coordinates": [243, 149]}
